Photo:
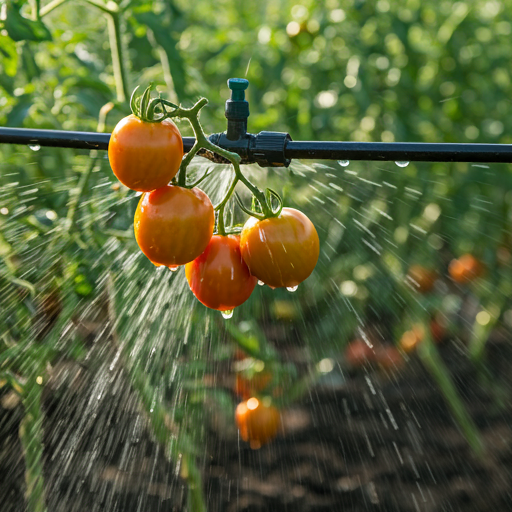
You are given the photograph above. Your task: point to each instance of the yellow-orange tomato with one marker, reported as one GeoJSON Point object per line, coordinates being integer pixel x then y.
{"type": "Point", "coordinates": [258, 423]}
{"type": "Point", "coordinates": [410, 339]}
{"type": "Point", "coordinates": [247, 387]}
{"type": "Point", "coordinates": [423, 279]}
{"type": "Point", "coordinates": [145, 156]}
{"type": "Point", "coordinates": [173, 225]}
{"type": "Point", "coordinates": [465, 269]}
{"type": "Point", "coordinates": [280, 251]}
{"type": "Point", "coordinates": [219, 277]}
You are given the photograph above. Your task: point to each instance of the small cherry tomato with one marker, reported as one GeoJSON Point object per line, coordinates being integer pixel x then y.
{"type": "Point", "coordinates": [250, 386]}
{"type": "Point", "coordinates": [280, 251]}
{"type": "Point", "coordinates": [145, 156]}
{"type": "Point", "coordinates": [423, 279]}
{"type": "Point", "coordinates": [219, 277]}
{"type": "Point", "coordinates": [465, 269]}
{"type": "Point", "coordinates": [257, 422]}
{"type": "Point", "coordinates": [411, 339]}
{"type": "Point", "coordinates": [173, 225]}
{"type": "Point", "coordinates": [358, 353]}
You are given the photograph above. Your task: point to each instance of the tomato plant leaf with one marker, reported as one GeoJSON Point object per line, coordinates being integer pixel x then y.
{"type": "Point", "coordinates": [20, 28]}
{"type": "Point", "coordinates": [9, 56]}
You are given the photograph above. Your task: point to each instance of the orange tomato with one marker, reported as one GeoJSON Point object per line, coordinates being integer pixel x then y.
{"type": "Point", "coordinates": [145, 156]}
{"type": "Point", "coordinates": [423, 279]}
{"type": "Point", "coordinates": [173, 225]}
{"type": "Point", "coordinates": [465, 269]}
{"type": "Point", "coordinates": [257, 422]}
{"type": "Point", "coordinates": [280, 251]}
{"type": "Point", "coordinates": [358, 353]}
{"type": "Point", "coordinates": [410, 339]}
{"type": "Point", "coordinates": [219, 277]}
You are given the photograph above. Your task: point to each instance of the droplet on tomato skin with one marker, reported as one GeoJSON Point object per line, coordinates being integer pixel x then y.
{"type": "Point", "coordinates": [173, 268]}
{"type": "Point", "coordinates": [344, 163]}
{"type": "Point", "coordinates": [35, 147]}
{"type": "Point", "coordinates": [260, 283]}
{"type": "Point", "coordinates": [292, 289]}
{"type": "Point", "coordinates": [227, 314]}
{"type": "Point", "coordinates": [402, 164]}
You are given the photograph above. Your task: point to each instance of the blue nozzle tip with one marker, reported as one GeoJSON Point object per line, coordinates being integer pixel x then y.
{"type": "Point", "coordinates": [238, 86]}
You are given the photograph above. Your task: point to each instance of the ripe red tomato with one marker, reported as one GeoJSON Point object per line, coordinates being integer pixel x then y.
{"type": "Point", "coordinates": [219, 277]}
{"type": "Point", "coordinates": [465, 269]}
{"type": "Point", "coordinates": [280, 251]}
{"type": "Point", "coordinates": [257, 422]}
{"type": "Point", "coordinates": [173, 225]}
{"type": "Point", "coordinates": [423, 279]}
{"type": "Point", "coordinates": [358, 353]}
{"type": "Point", "coordinates": [145, 156]}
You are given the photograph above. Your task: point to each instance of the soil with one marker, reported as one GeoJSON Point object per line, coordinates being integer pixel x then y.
{"type": "Point", "coordinates": [362, 440]}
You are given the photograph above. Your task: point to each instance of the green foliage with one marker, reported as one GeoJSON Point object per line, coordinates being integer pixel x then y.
{"type": "Point", "coordinates": [352, 70]}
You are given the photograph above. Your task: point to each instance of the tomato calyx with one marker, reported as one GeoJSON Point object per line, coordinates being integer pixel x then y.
{"type": "Point", "coordinates": [144, 107]}
{"type": "Point", "coordinates": [264, 207]}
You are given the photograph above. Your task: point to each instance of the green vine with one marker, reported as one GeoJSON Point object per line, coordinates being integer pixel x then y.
{"type": "Point", "coordinates": [156, 110]}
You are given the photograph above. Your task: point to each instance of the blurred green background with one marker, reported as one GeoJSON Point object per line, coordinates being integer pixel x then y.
{"type": "Point", "coordinates": [432, 71]}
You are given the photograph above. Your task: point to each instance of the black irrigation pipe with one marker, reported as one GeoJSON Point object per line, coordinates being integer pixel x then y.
{"type": "Point", "coordinates": [314, 150]}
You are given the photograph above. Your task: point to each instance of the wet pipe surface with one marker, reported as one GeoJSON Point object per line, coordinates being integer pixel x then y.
{"type": "Point", "coordinates": [317, 150]}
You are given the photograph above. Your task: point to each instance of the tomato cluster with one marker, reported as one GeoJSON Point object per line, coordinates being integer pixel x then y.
{"type": "Point", "coordinates": [174, 224]}
{"type": "Point", "coordinates": [465, 269]}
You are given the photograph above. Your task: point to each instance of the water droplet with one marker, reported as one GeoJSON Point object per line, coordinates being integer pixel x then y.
{"type": "Point", "coordinates": [174, 268]}
{"type": "Point", "coordinates": [228, 313]}
{"type": "Point", "coordinates": [402, 164]}
{"type": "Point", "coordinates": [344, 163]}
{"type": "Point", "coordinates": [35, 147]}
{"type": "Point", "coordinates": [292, 288]}
{"type": "Point", "coordinates": [261, 283]}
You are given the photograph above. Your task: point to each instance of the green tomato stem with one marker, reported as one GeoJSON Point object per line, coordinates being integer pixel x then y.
{"type": "Point", "coordinates": [432, 361]}
{"type": "Point", "coordinates": [109, 8]}
{"type": "Point", "coordinates": [228, 194]}
{"type": "Point", "coordinates": [221, 230]}
{"type": "Point", "coordinates": [31, 438]}
{"type": "Point", "coordinates": [202, 142]}
{"type": "Point", "coordinates": [48, 8]}
{"type": "Point", "coordinates": [116, 49]}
